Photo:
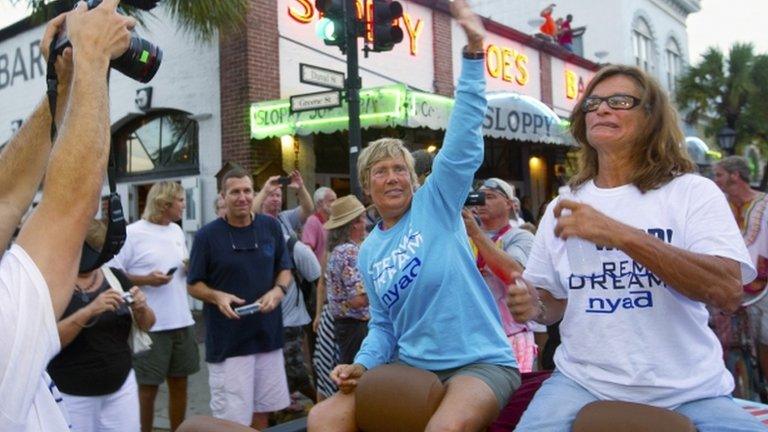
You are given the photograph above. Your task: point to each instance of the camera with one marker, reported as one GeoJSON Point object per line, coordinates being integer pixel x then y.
{"type": "Point", "coordinates": [475, 198]}
{"type": "Point", "coordinates": [127, 298]}
{"type": "Point", "coordinates": [140, 61]}
{"type": "Point", "coordinates": [284, 180]}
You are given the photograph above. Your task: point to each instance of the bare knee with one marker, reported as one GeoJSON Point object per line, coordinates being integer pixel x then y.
{"type": "Point", "coordinates": [334, 414]}
{"type": "Point", "coordinates": [448, 425]}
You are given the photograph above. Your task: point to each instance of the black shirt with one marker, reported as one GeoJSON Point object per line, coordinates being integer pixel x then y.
{"type": "Point", "coordinates": [243, 261]}
{"type": "Point", "coordinates": [98, 360]}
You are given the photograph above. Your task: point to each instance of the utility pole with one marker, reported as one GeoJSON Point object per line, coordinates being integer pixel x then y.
{"type": "Point", "coordinates": [353, 85]}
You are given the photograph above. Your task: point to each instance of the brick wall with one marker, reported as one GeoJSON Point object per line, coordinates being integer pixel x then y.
{"type": "Point", "coordinates": [249, 63]}
{"type": "Point", "coordinates": [546, 78]}
{"type": "Point", "coordinates": [441, 23]}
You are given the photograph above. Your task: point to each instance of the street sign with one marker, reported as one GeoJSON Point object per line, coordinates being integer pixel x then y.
{"type": "Point", "coordinates": [322, 77]}
{"type": "Point", "coordinates": [311, 101]}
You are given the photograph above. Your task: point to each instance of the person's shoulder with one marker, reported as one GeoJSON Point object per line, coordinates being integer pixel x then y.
{"type": "Point", "coordinates": [211, 227]}
{"type": "Point", "coordinates": [687, 183]}
{"type": "Point", "coordinates": [301, 249]}
{"type": "Point", "coordinates": [265, 221]}
{"type": "Point", "coordinates": [518, 234]}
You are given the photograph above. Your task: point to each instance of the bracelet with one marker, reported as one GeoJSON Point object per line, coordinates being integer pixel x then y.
{"type": "Point", "coordinates": [472, 55]}
{"type": "Point", "coordinates": [283, 288]}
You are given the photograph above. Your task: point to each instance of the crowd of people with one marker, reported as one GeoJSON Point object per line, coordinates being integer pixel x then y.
{"type": "Point", "coordinates": [310, 299]}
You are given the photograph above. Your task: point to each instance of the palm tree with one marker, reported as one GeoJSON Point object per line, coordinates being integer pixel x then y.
{"type": "Point", "coordinates": [201, 18]}
{"type": "Point", "coordinates": [730, 92]}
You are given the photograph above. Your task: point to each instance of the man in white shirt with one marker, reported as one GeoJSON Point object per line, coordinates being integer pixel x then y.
{"type": "Point", "coordinates": [153, 257]}
{"type": "Point", "coordinates": [37, 274]}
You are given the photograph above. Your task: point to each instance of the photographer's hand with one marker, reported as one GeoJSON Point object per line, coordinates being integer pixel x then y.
{"type": "Point", "coordinates": [142, 313]}
{"type": "Point", "coordinates": [63, 62]}
{"type": "Point", "coordinates": [100, 34]}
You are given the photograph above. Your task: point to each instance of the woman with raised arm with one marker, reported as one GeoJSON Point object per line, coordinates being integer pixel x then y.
{"type": "Point", "coordinates": [430, 308]}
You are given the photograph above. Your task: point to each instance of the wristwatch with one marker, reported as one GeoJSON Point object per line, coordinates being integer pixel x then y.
{"type": "Point", "coordinates": [472, 55]}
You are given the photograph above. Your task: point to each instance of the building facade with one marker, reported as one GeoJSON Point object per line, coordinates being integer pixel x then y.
{"type": "Point", "coordinates": [227, 101]}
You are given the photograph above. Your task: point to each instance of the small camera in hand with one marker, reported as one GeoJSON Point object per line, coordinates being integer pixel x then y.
{"type": "Point", "coordinates": [127, 298]}
{"type": "Point", "coordinates": [284, 180]}
{"type": "Point", "coordinates": [475, 198]}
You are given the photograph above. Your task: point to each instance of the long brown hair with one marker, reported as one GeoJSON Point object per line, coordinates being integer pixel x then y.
{"type": "Point", "coordinates": [658, 155]}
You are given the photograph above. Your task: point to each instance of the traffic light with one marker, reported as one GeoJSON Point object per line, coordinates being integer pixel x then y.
{"type": "Point", "coordinates": [386, 31]}
{"type": "Point", "coordinates": [331, 27]}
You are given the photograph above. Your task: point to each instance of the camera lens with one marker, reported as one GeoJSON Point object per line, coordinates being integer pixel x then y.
{"type": "Point", "coordinates": [141, 61]}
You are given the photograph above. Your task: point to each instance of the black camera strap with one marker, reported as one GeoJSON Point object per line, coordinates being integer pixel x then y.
{"type": "Point", "coordinates": [52, 81]}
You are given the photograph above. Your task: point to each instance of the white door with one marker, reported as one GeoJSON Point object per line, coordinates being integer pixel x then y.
{"type": "Point", "coordinates": [192, 219]}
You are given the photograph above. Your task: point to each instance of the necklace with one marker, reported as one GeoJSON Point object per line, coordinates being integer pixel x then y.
{"type": "Point", "coordinates": [82, 292]}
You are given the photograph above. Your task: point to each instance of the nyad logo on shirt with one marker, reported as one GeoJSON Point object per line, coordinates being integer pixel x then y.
{"type": "Point", "coordinates": [393, 274]}
{"type": "Point", "coordinates": [623, 284]}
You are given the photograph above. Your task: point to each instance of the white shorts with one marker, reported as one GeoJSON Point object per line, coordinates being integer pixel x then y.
{"type": "Point", "coordinates": [758, 319]}
{"type": "Point", "coordinates": [118, 411]}
{"type": "Point", "coordinates": [241, 386]}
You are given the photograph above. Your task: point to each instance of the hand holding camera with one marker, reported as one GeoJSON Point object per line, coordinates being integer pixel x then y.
{"type": "Point", "coordinates": [94, 28]}
{"type": "Point", "coordinates": [108, 301]}
{"type": "Point", "coordinates": [96, 31]}
{"type": "Point", "coordinates": [138, 300]}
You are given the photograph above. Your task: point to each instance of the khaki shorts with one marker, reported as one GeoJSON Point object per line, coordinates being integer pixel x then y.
{"type": "Point", "coordinates": [174, 354]}
{"type": "Point", "coordinates": [241, 386]}
{"type": "Point", "coordinates": [503, 380]}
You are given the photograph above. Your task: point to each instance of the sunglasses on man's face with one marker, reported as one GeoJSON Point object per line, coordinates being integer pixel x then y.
{"type": "Point", "coordinates": [616, 101]}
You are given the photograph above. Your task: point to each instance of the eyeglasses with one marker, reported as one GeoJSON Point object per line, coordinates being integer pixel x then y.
{"type": "Point", "coordinates": [247, 248]}
{"type": "Point", "coordinates": [616, 101]}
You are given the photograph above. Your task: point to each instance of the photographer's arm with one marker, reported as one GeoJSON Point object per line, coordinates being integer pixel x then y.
{"type": "Point", "coordinates": [83, 141]}
{"type": "Point", "coordinates": [23, 161]}
{"type": "Point", "coordinates": [260, 196]}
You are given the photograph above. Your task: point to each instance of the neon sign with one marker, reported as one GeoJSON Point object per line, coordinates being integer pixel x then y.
{"type": "Point", "coordinates": [507, 64]}
{"type": "Point", "coordinates": [304, 12]}
{"type": "Point", "coordinates": [574, 84]}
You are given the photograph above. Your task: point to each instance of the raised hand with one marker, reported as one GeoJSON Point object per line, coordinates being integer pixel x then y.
{"type": "Point", "coordinates": [471, 23]}
{"type": "Point", "coordinates": [100, 33]}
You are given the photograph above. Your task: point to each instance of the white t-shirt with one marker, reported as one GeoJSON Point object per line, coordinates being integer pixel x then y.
{"type": "Point", "coordinates": [29, 339]}
{"type": "Point", "coordinates": [294, 309]}
{"type": "Point", "coordinates": [625, 334]}
{"type": "Point", "coordinates": [153, 247]}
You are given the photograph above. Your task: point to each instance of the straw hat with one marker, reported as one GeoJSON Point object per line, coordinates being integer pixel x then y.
{"type": "Point", "coordinates": [343, 211]}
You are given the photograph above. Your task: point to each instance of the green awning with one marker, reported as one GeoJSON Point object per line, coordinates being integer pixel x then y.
{"type": "Point", "coordinates": [387, 106]}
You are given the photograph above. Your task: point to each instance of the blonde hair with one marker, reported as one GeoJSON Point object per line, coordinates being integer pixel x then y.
{"type": "Point", "coordinates": [657, 155]}
{"type": "Point", "coordinates": [96, 234]}
{"type": "Point", "coordinates": [379, 150]}
{"type": "Point", "coordinates": [161, 195]}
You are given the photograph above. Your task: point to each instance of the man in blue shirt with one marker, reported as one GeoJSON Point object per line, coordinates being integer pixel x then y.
{"type": "Point", "coordinates": [237, 260]}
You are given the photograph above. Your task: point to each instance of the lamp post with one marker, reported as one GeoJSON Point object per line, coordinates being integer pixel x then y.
{"type": "Point", "coordinates": [726, 139]}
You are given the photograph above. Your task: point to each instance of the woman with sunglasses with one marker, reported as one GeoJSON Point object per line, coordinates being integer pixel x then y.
{"type": "Point", "coordinates": [663, 245]}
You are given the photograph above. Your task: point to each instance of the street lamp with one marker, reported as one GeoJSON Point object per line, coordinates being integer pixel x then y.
{"type": "Point", "coordinates": [726, 139]}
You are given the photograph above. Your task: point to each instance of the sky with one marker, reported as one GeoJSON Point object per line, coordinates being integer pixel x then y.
{"type": "Point", "coordinates": [723, 22]}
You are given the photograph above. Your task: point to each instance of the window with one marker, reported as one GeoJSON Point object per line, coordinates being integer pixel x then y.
{"type": "Point", "coordinates": [158, 145]}
{"type": "Point", "coordinates": [674, 64]}
{"type": "Point", "coordinates": [642, 41]}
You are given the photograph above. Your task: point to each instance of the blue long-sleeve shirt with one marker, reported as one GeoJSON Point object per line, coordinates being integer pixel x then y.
{"type": "Point", "coordinates": [429, 304]}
